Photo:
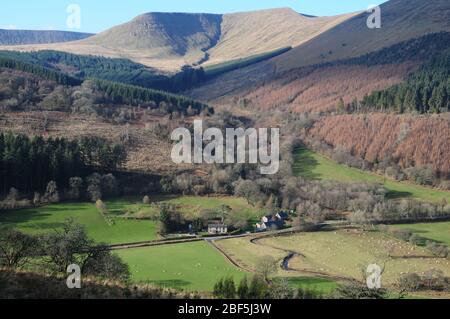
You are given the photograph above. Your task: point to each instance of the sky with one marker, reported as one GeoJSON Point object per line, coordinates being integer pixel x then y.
{"type": "Point", "coordinates": [99, 15]}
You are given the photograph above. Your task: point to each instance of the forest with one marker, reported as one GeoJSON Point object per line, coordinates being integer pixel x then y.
{"type": "Point", "coordinates": [372, 82]}
{"type": "Point", "coordinates": [26, 86]}
{"type": "Point", "coordinates": [29, 163]}
{"type": "Point", "coordinates": [119, 93]}
{"type": "Point", "coordinates": [393, 143]}
{"type": "Point", "coordinates": [38, 70]}
{"type": "Point", "coordinates": [111, 69]}
{"type": "Point", "coordinates": [426, 90]}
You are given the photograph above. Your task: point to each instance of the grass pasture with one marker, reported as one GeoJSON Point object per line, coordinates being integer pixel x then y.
{"type": "Point", "coordinates": [48, 218]}
{"type": "Point", "coordinates": [345, 253]}
{"type": "Point", "coordinates": [337, 254]}
{"type": "Point", "coordinates": [439, 232]}
{"type": "Point", "coordinates": [191, 266]}
{"type": "Point", "coordinates": [247, 254]}
{"type": "Point", "coordinates": [311, 165]}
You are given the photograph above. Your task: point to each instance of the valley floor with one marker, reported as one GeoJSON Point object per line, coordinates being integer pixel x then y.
{"type": "Point", "coordinates": [320, 260]}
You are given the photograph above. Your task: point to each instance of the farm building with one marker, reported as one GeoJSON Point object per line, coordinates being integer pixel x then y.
{"type": "Point", "coordinates": [271, 222]}
{"type": "Point", "coordinates": [217, 229]}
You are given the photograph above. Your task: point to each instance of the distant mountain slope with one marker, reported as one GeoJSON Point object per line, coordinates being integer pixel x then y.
{"type": "Point", "coordinates": [17, 37]}
{"type": "Point", "coordinates": [168, 41]}
{"type": "Point", "coordinates": [248, 33]}
{"type": "Point", "coordinates": [401, 20]}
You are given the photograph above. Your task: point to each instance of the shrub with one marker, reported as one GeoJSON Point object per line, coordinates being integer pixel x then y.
{"type": "Point", "coordinates": [409, 282]}
{"type": "Point", "coordinates": [438, 250]}
{"type": "Point", "coordinates": [402, 234]}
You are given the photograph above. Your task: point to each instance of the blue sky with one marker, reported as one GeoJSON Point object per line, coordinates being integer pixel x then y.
{"type": "Point", "coordinates": [98, 15]}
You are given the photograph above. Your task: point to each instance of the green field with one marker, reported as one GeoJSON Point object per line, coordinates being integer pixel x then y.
{"type": "Point", "coordinates": [344, 253]}
{"type": "Point", "coordinates": [192, 266]}
{"type": "Point", "coordinates": [336, 254]}
{"type": "Point", "coordinates": [47, 218]}
{"type": "Point", "coordinates": [439, 232]}
{"type": "Point", "coordinates": [311, 165]}
{"type": "Point", "coordinates": [124, 230]}
{"type": "Point", "coordinates": [323, 285]}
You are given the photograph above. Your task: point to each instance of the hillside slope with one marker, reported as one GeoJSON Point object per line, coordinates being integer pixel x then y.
{"type": "Point", "coordinates": [248, 33]}
{"type": "Point", "coordinates": [17, 37]}
{"type": "Point", "coordinates": [409, 140]}
{"type": "Point", "coordinates": [168, 41]}
{"type": "Point", "coordinates": [320, 87]}
{"type": "Point", "coordinates": [401, 20]}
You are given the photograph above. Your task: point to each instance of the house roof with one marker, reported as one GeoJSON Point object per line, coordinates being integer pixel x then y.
{"type": "Point", "coordinates": [283, 214]}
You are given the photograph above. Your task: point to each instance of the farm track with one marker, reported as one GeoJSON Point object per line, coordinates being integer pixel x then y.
{"type": "Point", "coordinates": [291, 254]}
{"type": "Point", "coordinates": [185, 240]}
{"type": "Point", "coordinates": [228, 257]}
{"type": "Point", "coordinates": [152, 243]}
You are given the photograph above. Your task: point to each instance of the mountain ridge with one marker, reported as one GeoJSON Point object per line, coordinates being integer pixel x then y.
{"type": "Point", "coordinates": [167, 41]}
{"type": "Point", "coordinates": [20, 37]}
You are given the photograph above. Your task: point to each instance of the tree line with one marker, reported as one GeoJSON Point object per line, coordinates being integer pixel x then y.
{"type": "Point", "coordinates": [29, 164]}
{"type": "Point", "coordinates": [120, 93]}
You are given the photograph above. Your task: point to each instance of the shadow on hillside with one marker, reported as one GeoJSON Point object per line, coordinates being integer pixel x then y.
{"type": "Point", "coordinates": [392, 194]}
{"type": "Point", "coordinates": [423, 239]}
{"type": "Point", "coordinates": [304, 164]}
{"type": "Point", "coordinates": [45, 226]}
{"type": "Point", "coordinates": [18, 217]}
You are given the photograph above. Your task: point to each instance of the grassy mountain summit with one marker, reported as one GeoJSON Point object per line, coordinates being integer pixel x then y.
{"type": "Point", "coordinates": [163, 35]}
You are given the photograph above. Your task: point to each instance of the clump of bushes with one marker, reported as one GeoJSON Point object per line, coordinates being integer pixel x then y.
{"type": "Point", "coordinates": [431, 280]}
{"type": "Point", "coordinates": [439, 250]}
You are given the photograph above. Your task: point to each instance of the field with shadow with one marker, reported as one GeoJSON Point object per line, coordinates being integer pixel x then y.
{"type": "Point", "coordinates": [439, 232]}
{"type": "Point", "coordinates": [189, 266]}
{"type": "Point", "coordinates": [49, 218]}
{"type": "Point", "coordinates": [311, 165]}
